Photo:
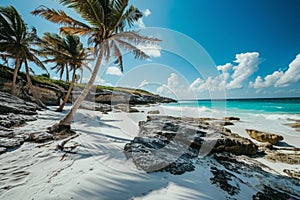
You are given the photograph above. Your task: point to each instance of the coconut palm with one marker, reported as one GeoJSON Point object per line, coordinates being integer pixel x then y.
{"type": "Point", "coordinates": [107, 27]}
{"type": "Point", "coordinates": [65, 51]}
{"type": "Point", "coordinates": [16, 42]}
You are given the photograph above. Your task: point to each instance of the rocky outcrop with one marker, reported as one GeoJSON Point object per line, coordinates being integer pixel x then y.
{"type": "Point", "coordinates": [153, 112]}
{"type": "Point", "coordinates": [232, 118]}
{"type": "Point", "coordinates": [289, 158]}
{"type": "Point", "coordinates": [169, 143]}
{"type": "Point", "coordinates": [15, 105]}
{"type": "Point", "coordinates": [263, 136]}
{"type": "Point", "coordinates": [292, 173]}
{"type": "Point", "coordinates": [125, 108]}
{"type": "Point", "coordinates": [16, 112]}
{"type": "Point", "coordinates": [104, 108]}
{"type": "Point", "coordinates": [119, 97]}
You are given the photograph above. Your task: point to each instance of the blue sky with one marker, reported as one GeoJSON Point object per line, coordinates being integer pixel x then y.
{"type": "Point", "coordinates": [210, 49]}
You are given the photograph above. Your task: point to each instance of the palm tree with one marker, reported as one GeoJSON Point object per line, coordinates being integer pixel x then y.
{"type": "Point", "coordinates": [65, 51]}
{"type": "Point", "coordinates": [106, 29]}
{"type": "Point", "coordinates": [16, 42]}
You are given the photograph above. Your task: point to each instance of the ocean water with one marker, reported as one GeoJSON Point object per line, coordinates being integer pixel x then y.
{"type": "Point", "coordinates": [267, 106]}
{"type": "Point", "coordinates": [270, 115]}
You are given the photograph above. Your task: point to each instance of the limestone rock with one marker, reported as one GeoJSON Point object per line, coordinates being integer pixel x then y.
{"type": "Point", "coordinates": [11, 120]}
{"type": "Point", "coordinates": [126, 108]}
{"type": "Point", "coordinates": [104, 108]}
{"type": "Point", "coordinates": [169, 143]}
{"type": "Point", "coordinates": [153, 112]}
{"type": "Point", "coordinates": [11, 142]}
{"type": "Point", "coordinates": [12, 104]}
{"type": "Point", "coordinates": [292, 173]}
{"type": "Point", "coordinates": [263, 136]}
{"type": "Point", "coordinates": [231, 118]}
{"type": "Point", "coordinates": [289, 158]}
{"type": "Point", "coordinates": [40, 137]}
{"type": "Point", "coordinates": [2, 150]}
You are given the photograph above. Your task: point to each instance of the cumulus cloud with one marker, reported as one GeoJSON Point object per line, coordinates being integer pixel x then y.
{"type": "Point", "coordinates": [140, 23]}
{"type": "Point", "coordinates": [269, 80]}
{"type": "Point", "coordinates": [147, 12]}
{"type": "Point", "coordinates": [231, 76]}
{"type": "Point", "coordinates": [151, 50]}
{"type": "Point", "coordinates": [143, 83]}
{"type": "Point", "coordinates": [114, 71]}
{"type": "Point", "coordinates": [292, 75]}
{"type": "Point", "coordinates": [173, 82]}
{"type": "Point", "coordinates": [225, 75]}
{"type": "Point", "coordinates": [212, 84]}
{"type": "Point", "coordinates": [247, 65]}
{"type": "Point", "coordinates": [279, 78]}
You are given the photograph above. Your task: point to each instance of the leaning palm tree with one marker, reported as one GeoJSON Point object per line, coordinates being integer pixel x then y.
{"type": "Point", "coordinates": [65, 51]}
{"type": "Point", "coordinates": [108, 29]}
{"type": "Point", "coordinates": [16, 42]}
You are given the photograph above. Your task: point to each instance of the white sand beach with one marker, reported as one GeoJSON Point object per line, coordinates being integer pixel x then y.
{"type": "Point", "coordinates": [99, 169]}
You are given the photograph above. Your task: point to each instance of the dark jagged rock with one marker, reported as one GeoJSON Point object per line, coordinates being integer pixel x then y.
{"type": "Point", "coordinates": [163, 141]}
{"type": "Point", "coordinates": [292, 173]}
{"type": "Point", "coordinates": [289, 158]}
{"type": "Point", "coordinates": [2, 150]}
{"type": "Point", "coordinates": [269, 193]}
{"type": "Point", "coordinates": [263, 136]}
{"type": "Point", "coordinates": [15, 105]}
{"type": "Point", "coordinates": [12, 120]}
{"type": "Point", "coordinates": [235, 170]}
{"type": "Point", "coordinates": [153, 112]}
{"type": "Point", "coordinates": [126, 108]}
{"type": "Point", "coordinates": [104, 108]}
{"type": "Point", "coordinates": [11, 142]}
{"type": "Point", "coordinates": [232, 118]}
{"type": "Point", "coordinates": [222, 178]}
{"type": "Point", "coordinates": [40, 137]}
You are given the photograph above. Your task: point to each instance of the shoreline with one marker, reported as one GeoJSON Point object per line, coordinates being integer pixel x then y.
{"type": "Point", "coordinates": [99, 167]}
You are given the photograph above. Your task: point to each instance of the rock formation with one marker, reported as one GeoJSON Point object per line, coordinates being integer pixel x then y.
{"type": "Point", "coordinates": [263, 136]}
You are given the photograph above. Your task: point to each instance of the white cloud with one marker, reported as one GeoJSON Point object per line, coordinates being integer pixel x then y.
{"type": "Point", "coordinates": [211, 84]}
{"type": "Point", "coordinates": [114, 71]}
{"type": "Point", "coordinates": [173, 82]}
{"type": "Point", "coordinates": [269, 80]}
{"type": "Point", "coordinates": [140, 23]}
{"type": "Point", "coordinates": [147, 12]}
{"type": "Point", "coordinates": [292, 75]}
{"type": "Point", "coordinates": [99, 81]}
{"type": "Point", "coordinates": [198, 85]}
{"type": "Point", "coordinates": [247, 65]}
{"type": "Point", "coordinates": [225, 75]}
{"type": "Point", "coordinates": [151, 50]}
{"type": "Point", "coordinates": [143, 83]}
{"type": "Point", "coordinates": [280, 78]}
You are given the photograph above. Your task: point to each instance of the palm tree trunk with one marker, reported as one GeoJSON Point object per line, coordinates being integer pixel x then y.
{"type": "Point", "coordinates": [81, 76]}
{"type": "Point", "coordinates": [17, 67]}
{"type": "Point", "coordinates": [34, 94]}
{"type": "Point", "coordinates": [61, 107]}
{"type": "Point", "coordinates": [65, 123]}
{"type": "Point", "coordinates": [67, 74]}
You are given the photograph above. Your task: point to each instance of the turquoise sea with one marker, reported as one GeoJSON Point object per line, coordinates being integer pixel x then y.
{"type": "Point", "coordinates": [265, 105]}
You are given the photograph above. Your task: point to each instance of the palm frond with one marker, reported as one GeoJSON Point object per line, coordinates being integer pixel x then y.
{"type": "Point", "coordinates": [138, 53]}
{"type": "Point", "coordinates": [75, 30]}
{"type": "Point", "coordinates": [117, 54]}
{"type": "Point", "coordinates": [58, 16]}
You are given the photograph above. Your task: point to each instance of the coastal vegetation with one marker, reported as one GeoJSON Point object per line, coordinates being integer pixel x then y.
{"type": "Point", "coordinates": [107, 24]}
{"type": "Point", "coordinates": [107, 30]}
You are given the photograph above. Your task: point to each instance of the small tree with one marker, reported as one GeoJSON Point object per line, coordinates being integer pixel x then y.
{"type": "Point", "coordinates": [65, 51]}
{"type": "Point", "coordinates": [106, 29]}
{"type": "Point", "coordinates": [16, 42]}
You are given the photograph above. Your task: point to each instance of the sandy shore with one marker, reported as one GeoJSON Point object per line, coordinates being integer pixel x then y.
{"type": "Point", "coordinates": [99, 168]}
